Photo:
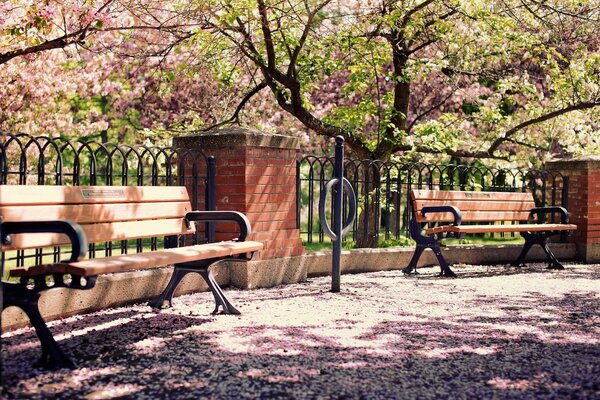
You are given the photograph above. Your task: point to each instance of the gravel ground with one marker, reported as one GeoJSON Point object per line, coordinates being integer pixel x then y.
{"type": "Point", "coordinates": [493, 332]}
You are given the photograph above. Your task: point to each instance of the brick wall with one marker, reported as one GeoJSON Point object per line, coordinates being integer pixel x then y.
{"type": "Point", "coordinates": [584, 203]}
{"type": "Point", "coordinates": [256, 175]}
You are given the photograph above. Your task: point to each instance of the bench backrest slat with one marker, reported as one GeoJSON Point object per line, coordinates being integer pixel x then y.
{"type": "Point", "coordinates": [110, 213]}
{"type": "Point", "coordinates": [88, 213]}
{"type": "Point", "coordinates": [32, 194]}
{"type": "Point", "coordinates": [105, 232]}
{"type": "Point", "coordinates": [474, 206]}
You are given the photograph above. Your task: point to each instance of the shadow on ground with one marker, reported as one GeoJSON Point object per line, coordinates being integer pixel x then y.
{"type": "Point", "coordinates": [383, 337]}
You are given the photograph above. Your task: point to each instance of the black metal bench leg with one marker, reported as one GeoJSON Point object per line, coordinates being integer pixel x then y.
{"type": "Point", "coordinates": [52, 356]}
{"type": "Point", "coordinates": [165, 299]}
{"type": "Point", "coordinates": [426, 242]}
{"type": "Point", "coordinates": [220, 299]}
{"type": "Point", "coordinates": [412, 265]}
{"type": "Point", "coordinates": [554, 263]}
{"type": "Point", "coordinates": [521, 259]}
{"type": "Point", "coordinates": [542, 240]}
{"type": "Point", "coordinates": [446, 271]}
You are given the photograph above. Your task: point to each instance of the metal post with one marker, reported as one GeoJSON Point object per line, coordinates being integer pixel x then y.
{"type": "Point", "coordinates": [564, 201]}
{"type": "Point", "coordinates": [338, 197]}
{"type": "Point", "coordinates": [340, 228]}
{"type": "Point", "coordinates": [298, 196]}
{"type": "Point", "coordinates": [211, 195]}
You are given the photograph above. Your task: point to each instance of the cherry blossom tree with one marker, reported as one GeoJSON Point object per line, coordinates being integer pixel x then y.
{"type": "Point", "coordinates": [500, 80]}
{"type": "Point", "coordinates": [503, 80]}
{"type": "Point", "coordinates": [100, 68]}
{"type": "Point", "coordinates": [468, 79]}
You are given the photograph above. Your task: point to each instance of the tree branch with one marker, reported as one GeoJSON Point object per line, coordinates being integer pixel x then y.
{"type": "Point", "coordinates": [579, 14]}
{"type": "Point", "coordinates": [429, 110]}
{"type": "Point", "coordinates": [264, 19]}
{"type": "Point", "coordinates": [542, 118]}
{"type": "Point", "coordinates": [235, 116]}
{"type": "Point", "coordinates": [58, 43]}
{"type": "Point", "coordinates": [305, 32]}
{"type": "Point", "coordinates": [413, 11]}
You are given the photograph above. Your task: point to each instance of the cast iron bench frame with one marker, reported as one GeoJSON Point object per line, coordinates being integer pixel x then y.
{"type": "Point", "coordinates": [450, 209]}
{"type": "Point", "coordinates": [130, 211]}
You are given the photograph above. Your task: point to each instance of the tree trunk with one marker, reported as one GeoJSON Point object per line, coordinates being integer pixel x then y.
{"type": "Point", "coordinates": [369, 218]}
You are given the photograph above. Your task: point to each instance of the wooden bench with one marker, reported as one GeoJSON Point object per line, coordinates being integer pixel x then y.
{"type": "Point", "coordinates": [484, 212]}
{"type": "Point", "coordinates": [70, 217]}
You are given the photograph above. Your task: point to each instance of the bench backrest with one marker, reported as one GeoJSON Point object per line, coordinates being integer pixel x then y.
{"type": "Point", "coordinates": [106, 213]}
{"type": "Point", "coordinates": [474, 206]}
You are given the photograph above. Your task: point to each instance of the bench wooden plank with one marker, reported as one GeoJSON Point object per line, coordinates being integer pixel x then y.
{"type": "Point", "coordinates": [37, 270]}
{"type": "Point", "coordinates": [30, 194]}
{"type": "Point", "coordinates": [87, 213]}
{"type": "Point", "coordinates": [474, 206]}
{"type": "Point", "coordinates": [468, 229]}
{"type": "Point", "coordinates": [476, 216]}
{"type": "Point", "coordinates": [130, 262]}
{"type": "Point", "coordinates": [454, 195]}
{"type": "Point", "coordinates": [468, 205]}
{"type": "Point", "coordinates": [105, 232]}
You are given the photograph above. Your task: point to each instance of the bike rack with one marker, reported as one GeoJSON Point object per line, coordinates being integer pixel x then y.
{"type": "Point", "coordinates": [336, 233]}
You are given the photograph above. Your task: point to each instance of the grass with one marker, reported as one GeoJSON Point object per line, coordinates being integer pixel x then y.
{"type": "Point", "coordinates": [404, 241]}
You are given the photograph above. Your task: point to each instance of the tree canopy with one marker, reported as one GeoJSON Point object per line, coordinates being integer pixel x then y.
{"type": "Point", "coordinates": [463, 78]}
{"type": "Point", "coordinates": [515, 80]}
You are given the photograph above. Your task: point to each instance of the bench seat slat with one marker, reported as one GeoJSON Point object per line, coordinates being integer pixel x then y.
{"type": "Point", "coordinates": [105, 232]}
{"type": "Point", "coordinates": [129, 262]}
{"type": "Point", "coordinates": [87, 213]}
{"type": "Point", "coordinates": [37, 270]}
{"type": "Point", "coordinates": [501, 228]}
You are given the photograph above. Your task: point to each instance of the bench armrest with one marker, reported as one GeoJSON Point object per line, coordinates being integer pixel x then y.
{"type": "Point", "coordinates": [564, 214]}
{"type": "Point", "coordinates": [444, 209]}
{"type": "Point", "coordinates": [72, 229]}
{"type": "Point", "coordinates": [220, 216]}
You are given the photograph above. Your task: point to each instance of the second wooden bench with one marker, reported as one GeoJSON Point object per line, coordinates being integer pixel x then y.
{"type": "Point", "coordinates": [456, 213]}
{"type": "Point", "coordinates": [47, 216]}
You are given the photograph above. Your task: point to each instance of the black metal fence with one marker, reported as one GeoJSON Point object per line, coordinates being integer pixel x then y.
{"type": "Point", "coordinates": [41, 160]}
{"type": "Point", "coordinates": [383, 191]}
{"type": "Point", "coordinates": [382, 188]}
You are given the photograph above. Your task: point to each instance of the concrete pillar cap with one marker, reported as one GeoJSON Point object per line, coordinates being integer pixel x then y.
{"type": "Point", "coordinates": [236, 137]}
{"type": "Point", "coordinates": [591, 161]}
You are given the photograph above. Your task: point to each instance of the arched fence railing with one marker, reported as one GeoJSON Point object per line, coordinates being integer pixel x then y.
{"type": "Point", "coordinates": [43, 160]}
{"type": "Point", "coordinates": [383, 191]}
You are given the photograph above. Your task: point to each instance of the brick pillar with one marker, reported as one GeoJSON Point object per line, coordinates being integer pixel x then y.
{"type": "Point", "coordinates": [584, 203]}
{"type": "Point", "coordinates": [256, 175]}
